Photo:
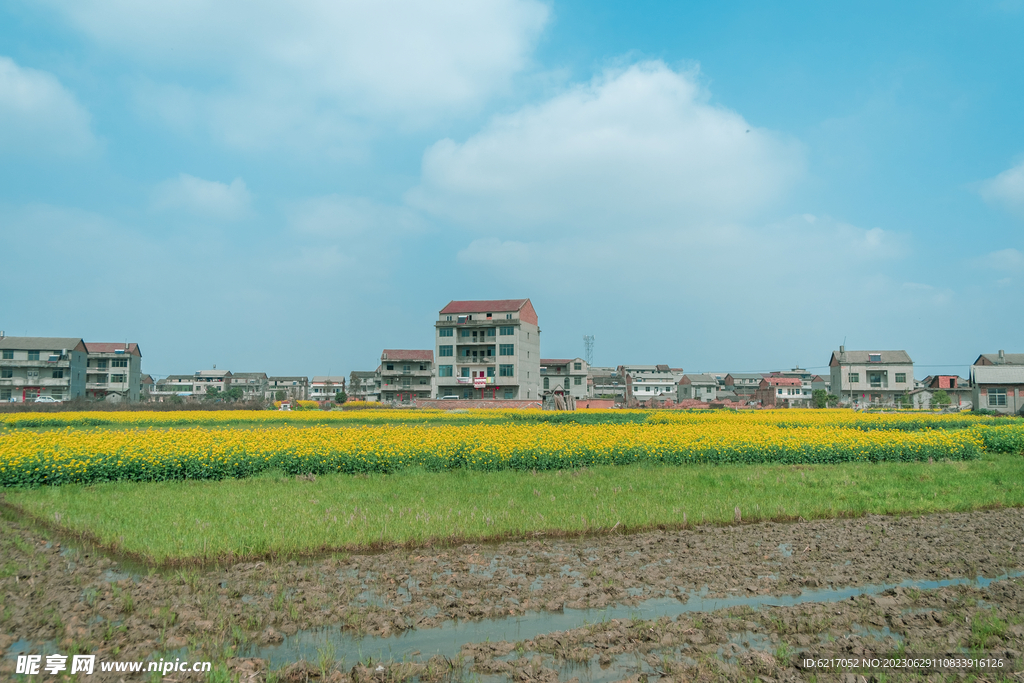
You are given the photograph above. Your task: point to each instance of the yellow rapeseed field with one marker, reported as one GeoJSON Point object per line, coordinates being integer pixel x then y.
{"type": "Point", "coordinates": [74, 455]}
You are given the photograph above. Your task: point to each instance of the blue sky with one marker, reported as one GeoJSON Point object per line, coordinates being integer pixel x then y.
{"type": "Point", "coordinates": [718, 186]}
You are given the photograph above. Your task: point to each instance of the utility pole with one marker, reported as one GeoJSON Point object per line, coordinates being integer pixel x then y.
{"type": "Point", "coordinates": [588, 348]}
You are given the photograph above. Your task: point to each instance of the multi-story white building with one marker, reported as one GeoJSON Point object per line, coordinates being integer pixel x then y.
{"type": "Point", "coordinates": [870, 377]}
{"type": "Point", "coordinates": [173, 385]}
{"type": "Point", "coordinates": [406, 374]}
{"type": "Point", "coordinates": [488, 349]}
{"type": "Point", "coordinates": [646, 382]}
{"type": "Point", "coordinates": [33, 367]}
{"type": "Point", "coordinates": [114, 371]}
{"type": "Point", "coordinates": [568, 373]}
{"type": "Point", "coordinates": [326, 387]}
{"type": "Point", "coordinates": [214, 381]}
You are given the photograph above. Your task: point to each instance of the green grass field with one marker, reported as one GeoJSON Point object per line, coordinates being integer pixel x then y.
{"type": "Point", "coordinates": [195, 522]}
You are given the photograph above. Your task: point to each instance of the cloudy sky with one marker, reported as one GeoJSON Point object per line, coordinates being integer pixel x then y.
{"type": "Point", "coordinates": [291, 187]}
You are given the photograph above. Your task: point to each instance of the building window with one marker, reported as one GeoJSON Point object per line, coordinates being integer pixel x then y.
{"type": "Point", "coordinates": [444, 371]}
{"type": "Point", "coordinates": [546, 385]}
{"type": "Point", "coordinates": [464, 372]}
{"type": "Point", "coordinates": [6, 373]}
{"type": "Point", "coordinates": [874, 358]}
{"type": "Point", "coordinates": [579, 381]}
{"type": "Point", "coordinates": [901, 378]}
{"type": "Point", "coordinates": [119, 363]}
{"type": "Point", "coordinates": [465, 333]}
{"type": "Point", "coordinates": [389, 366]}
{"type": "Point", "coordinates": [33, 355]}
{"type": "Point", "coordinates": [577, 366]}
{"type": "Point", "coordinates": [446, 331]}
{"type": "Point", "coordinates": [505, 370]}
{"type": "Point", "coordinates": [996, 397]}
{"type": "Point", "coordinates": [102, 364]}
{"type": "Point", "coordinates": [5, 394]}
{"type": "Point", "coordinates": [8, 354]}
{"type": "Point", "coordinates": [505, 331]}
{"type": "Point", "coordinates": [506, 349]}
{"type": "Point", "coordinates": [508, 393]}
{"type": "Point", "coordinates": [118, 378]}
{"type": "Point", "coordinates": [490, 331]}
{"type": "Point", "coordinates": [448, 318]}
{"type": "Point", "coordinates": [444, 350]}
{"type": "Point", "coordinates": [58, 374]}
{"type": "Point", "coordinates": [490, 372]}
{"type": "Point", "coordinates": [508, 316]}
{"type": "Point", "coordinates": [854, 377]}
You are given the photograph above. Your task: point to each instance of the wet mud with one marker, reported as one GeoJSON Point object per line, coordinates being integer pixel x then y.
{"type": "Point", "coordinates": [745, 602]}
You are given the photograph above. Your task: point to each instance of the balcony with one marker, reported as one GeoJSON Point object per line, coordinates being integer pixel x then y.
{"type": "Point", "coordinates": [34, 382]}
{"type": "Point", "coordinates": [475, 340]}
{"type": "Point", "coordinates": [8, 362]}
{"type": "Point", "coordinates": [106, 386]}
{"type": "Point", "coordinates": [478, 360]}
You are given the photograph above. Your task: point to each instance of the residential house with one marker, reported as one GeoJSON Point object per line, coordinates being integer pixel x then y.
{"type": "Point", "coordinates": [998, 387]}
{"type": "Point", "coordinates": [783, 392]}
{"type": "Point", "coordinates": [743, 384]}
{"type": "Point", "coordinates": [697, 387]}
{"type": "Point", "coordinates": [646, 382]}
{"type": "Point", "coordinates": [1001, 358]}
{"type": "Point", "coordinates": [364, 385]}
{"type": "Point", "coordinates": [862, 378]}
{"type": "Point", "coordinates": [822, 383]}
{"type": "Point", "coordinates": [956, 388]}
{"type": "Point", "coordinates": [288, 388]}
{"type": "Point", "coordinates": [31, 367]}
{"type": "Point", "coordinates": [205, 383]}
{"type": "Point", "coordinates": [488, 349]}
{"type": "Point", "coordinates": [606, 382]}
{"type": "Point", "coordinates": [173, 385]}
{"type": "Point", "coordinates": [568, 373]}
{"type": "Point", "coordinates": [114, 371]}
{"type": "Point", "coordinates": [326, 387]}
{"type": "Point", "coordinates": [145, 387]}
{"type": "Point", "coordinates": [254, 385]}
{"type": "Point", "coordinates": [406, 374]}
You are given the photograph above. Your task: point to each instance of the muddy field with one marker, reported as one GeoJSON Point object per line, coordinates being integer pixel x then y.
{"type": "Point", "coordinates": [745, 602]}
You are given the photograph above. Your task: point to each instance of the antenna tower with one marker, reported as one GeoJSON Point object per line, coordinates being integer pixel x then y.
{"type": "Point", "coordinates": [588, 348]}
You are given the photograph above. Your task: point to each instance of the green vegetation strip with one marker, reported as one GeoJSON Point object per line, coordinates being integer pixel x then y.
{"type": "Point", "coordinates": [195, 522]}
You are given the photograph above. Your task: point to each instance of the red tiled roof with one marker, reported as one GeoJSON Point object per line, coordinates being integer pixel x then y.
{"type": "Point", "coordinates": [782, 381]}
{"type": "Point", "coordinates": [488, 306]}
{"type": "Point", "coordinates": [407, 354]}
{"type": "Point", "coordinates": [107, 347]}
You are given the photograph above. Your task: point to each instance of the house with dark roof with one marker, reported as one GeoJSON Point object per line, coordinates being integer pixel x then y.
{"type": "Point", "coordinates": [998, 387]}
{"type": "Point", "coordinates": [288, 387]}
{"type": "Point", "coordinates": [861, 378]}
{"type": "Point", "coordinates": [1001, 358]}
{"type": "Point", "coordinates": [488, 349]}
{"type": "Point", "coordinates": [568, 373]}
{"type": "Point", "coordinates": [42, 367]}
{"type": "Point", "coordinates": [114, 371]}
{"type": "Point", "coordinates": [364, 385]}
{"type": "Point", "coordinates": [254, 385]}
{"type": "Point", "coordinates": [700, 387]}
{"type": "Point", "coordinates": [743, 383]}
{"type": "Point", "coordinates": [406, 374]}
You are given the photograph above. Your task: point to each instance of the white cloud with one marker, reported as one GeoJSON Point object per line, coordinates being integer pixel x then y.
{"type": "Point", "coordinates": [334, 216]}
{"type": "Point", "coordinates": [634, 147]}
{"type": "Point", "coordinates": [1006, 189]}
{"type": "Point", "coordinates": [276, 72]}
{"type": "Point", "coordinates": [38, 115]}
{"type": "Point", "coordinates": [207, 198]}
{"type": "Point", "coordinates": [1002, 260]}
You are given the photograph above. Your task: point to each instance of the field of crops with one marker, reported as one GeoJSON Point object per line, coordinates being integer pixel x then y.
{"type": "Point", "coordinates": [373, 441]}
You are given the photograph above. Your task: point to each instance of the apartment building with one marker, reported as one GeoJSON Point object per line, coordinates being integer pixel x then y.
{"type": "Point", "coordinates": [364, 385]}
{"type": "Point", "coordinates": [488, 349]}
{"type": "Point", "coordinates": [406, 374]}
{"type": "Point", "coordinates": [784, 392]}
{"type": "Point", "coordinates": [114, 371]}
{"type": "Point", "coordinates": [288, 388]}
{"type": "Point", "coordinates": [254, 385]}
{"type": "Point", "coordinates": [646, 382]}
{"type": "Point", "coordinates": [33, 367]}
{"type": "Point", "coordinates": [568, 373]}
{"type": "Point", "coordinates": [870, 377]}
{"type": "Point", "coordinates": [697, 387]}
{"type": "Point", "coordinates": [326, 387]}
{"type": "Point", "coordinates": [605, 382]}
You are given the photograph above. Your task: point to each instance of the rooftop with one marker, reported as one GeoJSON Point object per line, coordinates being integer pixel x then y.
{"type": "Point", "coordinates": [870, 357]}
{"type": "Point", "coordinates": [41, 343]}
{"type": "Point", "coordinates": [113, 347]}
{"type": "Point", "coordinates": [407, 354]}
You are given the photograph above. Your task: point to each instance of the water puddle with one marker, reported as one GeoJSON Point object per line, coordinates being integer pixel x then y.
{"type": "Point", "coordinates": [448, 639]}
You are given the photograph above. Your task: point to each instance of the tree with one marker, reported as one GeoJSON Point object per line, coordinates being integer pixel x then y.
{"type": "Point", "coordinates": [903, 400]}
{"type": "Point", "coordinates": [833, 400]}
{"type": "Point", "coordinates": [233, 394]}
{"type": "Point", "coordinates": [941, 399]}
{"type": "Point", "coordinates": [279, 395]}
{"type": "Point", "coordinates": [340, 397]}
{"type": "Point", "coordinates": [820, 398]}
{"type": "Point", "coordinates": [212, 393]}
